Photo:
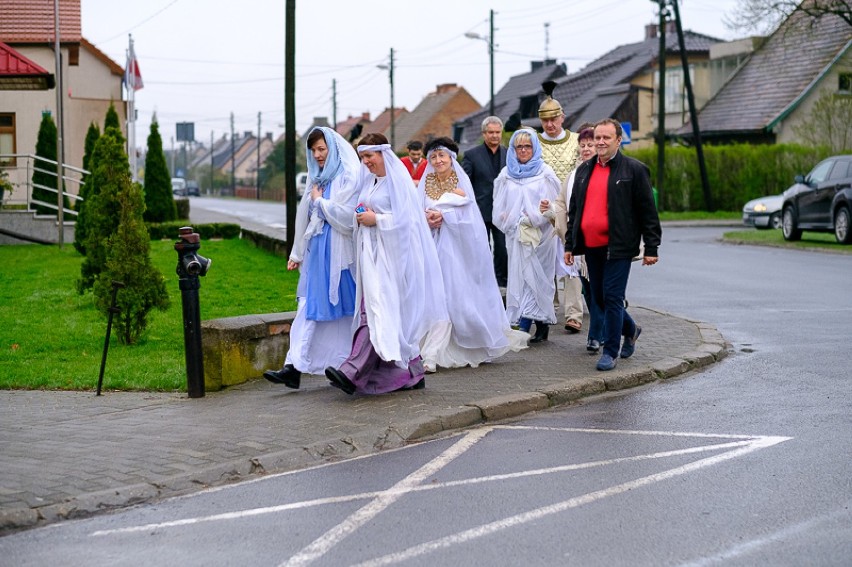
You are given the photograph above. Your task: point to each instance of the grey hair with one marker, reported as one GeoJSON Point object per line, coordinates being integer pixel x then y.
{"type": "Point", "coordinates": [491, 120]}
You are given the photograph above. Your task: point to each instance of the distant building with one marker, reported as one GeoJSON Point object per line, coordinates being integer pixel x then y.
{"type": "Point", "coordinates": [434, 116]}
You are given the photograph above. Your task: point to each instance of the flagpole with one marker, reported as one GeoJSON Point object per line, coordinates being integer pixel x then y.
{"type": "Point", "coordinates": [130, 83]}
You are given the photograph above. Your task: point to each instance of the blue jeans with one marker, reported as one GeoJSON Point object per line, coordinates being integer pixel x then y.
{"type": "Point", "coordinates": [608, 280]}
{"type": "Point", "coordinates": [596, 316]}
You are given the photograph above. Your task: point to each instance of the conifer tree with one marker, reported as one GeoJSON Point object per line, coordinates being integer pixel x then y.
{"type": "Point", "coordinates": [110, 173]}
{"type": "Point", "coordinates": [159, 200]}
{"type": "Point", "coordinates": [111, 120]}
{"type": "Point", "coordinates": [44, 172]}
{"type": "Point", "coordinates": [128, 260]}
{"type": "Point", "coordinates": [92, 136]}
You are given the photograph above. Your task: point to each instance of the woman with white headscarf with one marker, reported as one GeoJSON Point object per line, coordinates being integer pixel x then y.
{"type": "Point", "coordinates": [399, 289]}
{"type": "Point", "coordinates": [480, 328]}
{"type": "Point", "coordinates": [323, 251]}
{"type": "Point", "coordinates": [524, 188]}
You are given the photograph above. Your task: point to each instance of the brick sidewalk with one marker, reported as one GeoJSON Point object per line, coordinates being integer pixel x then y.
{"type": "Point", "coordinates": [72, 454]}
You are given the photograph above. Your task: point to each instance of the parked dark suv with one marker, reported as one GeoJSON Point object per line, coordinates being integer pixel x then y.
{"type": "Point", "coordinates": [821, 201]}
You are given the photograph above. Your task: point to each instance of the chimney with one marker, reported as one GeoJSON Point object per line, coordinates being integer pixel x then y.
{"type": "Point", "coordinates": [650, 31]}
{"type": "Point", "coordinates": [446, 88]}
{"type": "Point", "coordinates": [536, 65]}
{"type": "Point", "coordinates": [249, 134]}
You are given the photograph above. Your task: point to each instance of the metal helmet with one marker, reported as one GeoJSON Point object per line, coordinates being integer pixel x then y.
{"type": "Point", "coordinates": [549, 107]}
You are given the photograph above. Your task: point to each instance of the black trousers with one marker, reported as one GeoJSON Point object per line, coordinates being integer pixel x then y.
{"type": "Point", "coordinates": [501, 257]}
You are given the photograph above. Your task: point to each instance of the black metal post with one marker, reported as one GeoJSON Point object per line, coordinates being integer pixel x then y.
{"type": "Point", "coordinates": [189, 267]}
{"type": "Point", "coordinates": [693, 113]}
{"type": "Point", "coordinates": [112, 311]}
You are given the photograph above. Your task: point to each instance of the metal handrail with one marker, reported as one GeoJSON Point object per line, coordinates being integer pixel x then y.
{"type": "Point", "coordinates": [31, 165]}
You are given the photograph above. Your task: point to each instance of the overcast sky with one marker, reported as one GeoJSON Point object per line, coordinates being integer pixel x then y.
{"type": "Point", "coordinates": [201, 60]}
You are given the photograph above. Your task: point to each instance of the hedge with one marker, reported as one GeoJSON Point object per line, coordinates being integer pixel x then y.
{"type": "Point", "coordinates": [736, 173]}
{"type": "Point", "coordinates": [208, 231]}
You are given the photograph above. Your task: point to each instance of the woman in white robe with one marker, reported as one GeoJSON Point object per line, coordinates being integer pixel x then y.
{"type": "Point", "coordinates": [480, 328]}
{"type": "Point", "coordinates": [323, 252]}
{"type": "Point", "coordinates": [399, 289]}
{"type": "Point", "coordinates": [524, 187]}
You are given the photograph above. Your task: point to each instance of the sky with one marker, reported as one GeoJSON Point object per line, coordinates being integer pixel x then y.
{"type": "Point", "coordinates": [202, 60]}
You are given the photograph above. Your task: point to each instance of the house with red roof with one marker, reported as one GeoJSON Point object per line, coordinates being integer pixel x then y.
{"type": "Point", "coordinates": [90, 79]}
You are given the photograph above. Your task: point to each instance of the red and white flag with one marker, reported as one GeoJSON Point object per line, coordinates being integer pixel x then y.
{"type": "Point", "coordinates": [132, 75]}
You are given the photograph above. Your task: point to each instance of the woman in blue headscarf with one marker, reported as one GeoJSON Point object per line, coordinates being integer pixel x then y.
{"type": "Point", "coordinates": [524, 194]}
{"type": "Point", "coordinates": [324, 253]}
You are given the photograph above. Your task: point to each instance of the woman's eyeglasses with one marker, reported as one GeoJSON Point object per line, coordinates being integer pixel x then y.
{"type": "Point", "coordinates": [524, 147]}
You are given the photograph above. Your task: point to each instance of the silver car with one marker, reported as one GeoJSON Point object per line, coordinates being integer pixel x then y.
{"type": "Point", "coordinates": [764, 212]}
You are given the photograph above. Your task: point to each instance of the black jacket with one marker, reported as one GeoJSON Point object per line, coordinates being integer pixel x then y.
{"type": "Point", "coordinates": [476, 162]}
{"type": "Point", "coordinates": [631, 209]}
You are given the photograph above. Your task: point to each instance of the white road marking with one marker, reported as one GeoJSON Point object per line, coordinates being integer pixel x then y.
{"type": "Point", "coordinates": [737, 446]}
{"type": "Point", "coordinates": [325, 542]}
{"type": "Point", "coordinates": [532, 515]}
{"type": "Point", "coordinates": [420, 488]}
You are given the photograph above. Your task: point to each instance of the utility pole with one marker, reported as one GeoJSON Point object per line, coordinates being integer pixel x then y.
{"type": "Point", "coordinates": [693, 113]}
{"type": "Point", "coordinates": [334, 103]}
{"type": "Point", "coordinates": [290, 120]}
{"type": "Point", "coordinates": [60, 148]}
{"type": "Point", "coordinates": [389, 67]}
{"type": "Point", "coordinates": [661, 103]}
{"type": "Point", "coordinates": [257, 169]}
{"type": "Point", "coordinates": [211, 162]}
{"type": "Point", "coordinates": [233, 159]}
{"type": "Point", "coordinates": [393, 112]}
{"type": "Point", "coordinates": [491, 63]}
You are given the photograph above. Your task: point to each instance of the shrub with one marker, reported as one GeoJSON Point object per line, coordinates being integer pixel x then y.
{"type": "Point", "coordinates": [44, 172]}
{"type": "Point", "coordinates": [128, 260]}
{"type": "Point", "coordinates": [110, 176]}
{"type": "Point", "coordinates": [736, 173]}
{"type": "Point", "coordinates": [80, 227]}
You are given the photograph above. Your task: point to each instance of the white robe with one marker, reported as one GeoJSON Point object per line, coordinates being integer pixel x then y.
{"type": "Point", "coordinates": [480, 328]}
{"type": "Point", "coordinates": [316, 345]}
{"type": "Point", "coordinates": [398, 275]}
{"type": "Point", "coordinates": [531, 284]}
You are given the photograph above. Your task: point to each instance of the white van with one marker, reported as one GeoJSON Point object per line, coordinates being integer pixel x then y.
{"type": "Point", "coordinates": [179, 186]}
{"type": "Point", "coordinates": [301, 182]}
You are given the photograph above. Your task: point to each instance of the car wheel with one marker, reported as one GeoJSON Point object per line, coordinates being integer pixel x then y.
{"type": "Point", "coordinates": [789, 227]}
{"type": "Point", "coordinates": [775, 221]}
{"type": "Point", "coordinates": [841, 226]}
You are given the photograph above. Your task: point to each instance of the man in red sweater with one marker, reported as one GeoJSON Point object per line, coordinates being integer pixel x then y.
{"type": "Point", "coordinates": [611, 210]}
{"type": "Point", "coordinates": [414, 161]}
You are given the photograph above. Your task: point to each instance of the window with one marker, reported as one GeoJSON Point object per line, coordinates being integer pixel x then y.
{"type": "Point", "coordinates": [820, 172]}
{"type": "Point", "coordinates": [7, 137]}
{"type": "Point", "coordinates": [675, 94]}
{"type": "Point", "coordinates": [840, 170]}
{"type": "Point", "coordinates": [844, 83]}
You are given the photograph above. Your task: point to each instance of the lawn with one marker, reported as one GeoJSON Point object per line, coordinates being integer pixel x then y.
{"type": "Point", "coordinates": [821, 241]}
{"type": "Point", "coordinates": [53, 338]}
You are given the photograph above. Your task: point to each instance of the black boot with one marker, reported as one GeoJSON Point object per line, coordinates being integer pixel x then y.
{"type": "Point", "coordinates": [542, 330]}
{"type": "Point", "coordinates": [288, 376]}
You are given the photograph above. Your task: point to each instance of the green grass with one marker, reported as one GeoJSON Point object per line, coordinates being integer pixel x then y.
{"type": "Point", "coordinates": [700, 215]}
{"type": "Point", "coordinates": [53, 338]}
{"type": "Point", "coordinates": [810, 240]}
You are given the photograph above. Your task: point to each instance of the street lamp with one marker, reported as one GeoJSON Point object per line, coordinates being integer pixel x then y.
{"type": "Point", "coordinates": [489, 39]}
{"type": "Point", "coordinates": [392, 112]}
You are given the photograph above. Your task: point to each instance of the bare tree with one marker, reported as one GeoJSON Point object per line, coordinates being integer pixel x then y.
{"type": "Point", "coordinates": [829, 123]}
{"type": "Point", "coordinates": [763, 16]}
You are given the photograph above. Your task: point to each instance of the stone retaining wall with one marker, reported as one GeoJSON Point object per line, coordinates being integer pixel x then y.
{"type": "Point", "coordinates": [238, 349]}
